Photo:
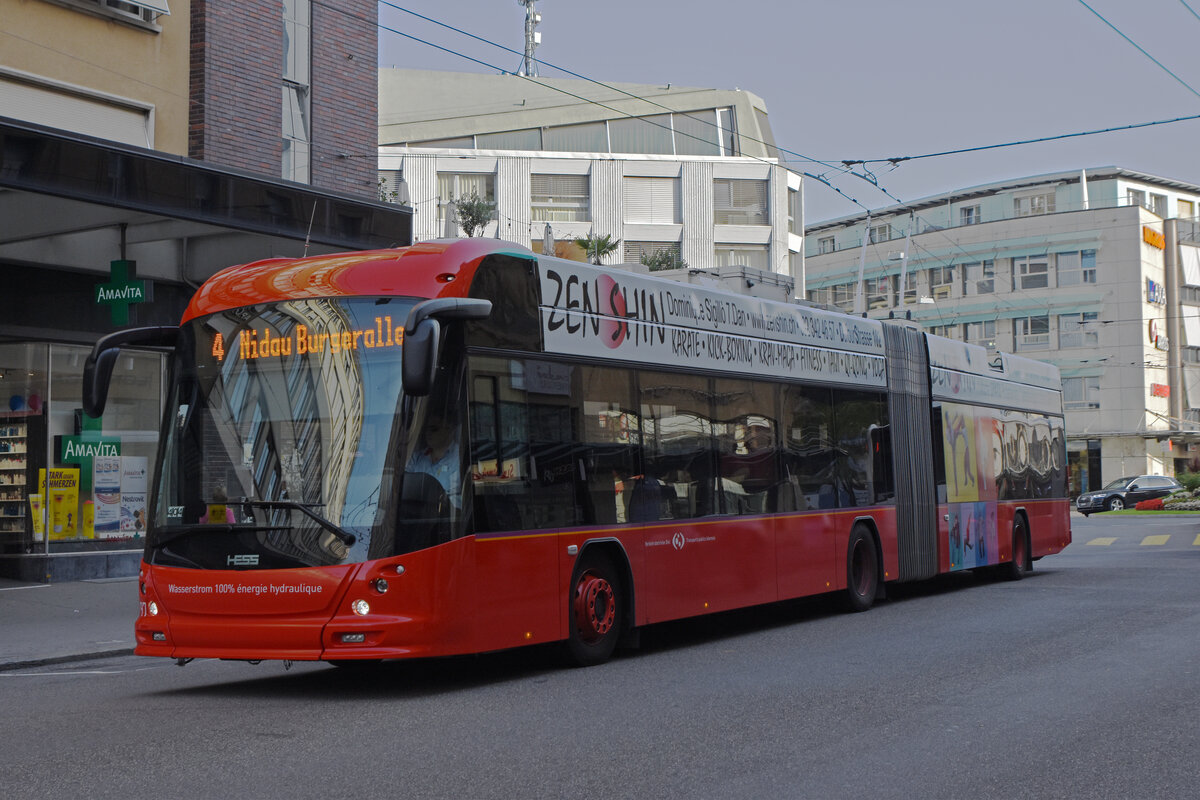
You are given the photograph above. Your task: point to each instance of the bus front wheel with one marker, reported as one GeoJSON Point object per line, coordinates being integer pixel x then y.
{"type": "Point", "coordinates": [597, 611]}
{"type": "Point", "coordinates": [862, 569]}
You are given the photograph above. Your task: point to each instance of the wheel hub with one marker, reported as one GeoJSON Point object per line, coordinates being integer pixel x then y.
{"type": "Point", "coordinates": [595, 607]}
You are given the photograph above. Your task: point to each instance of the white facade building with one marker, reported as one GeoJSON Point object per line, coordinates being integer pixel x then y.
{"type": "Point", "coordinates": [690, 172]}
{"type": "Point", "coordinates": [1097, 272]}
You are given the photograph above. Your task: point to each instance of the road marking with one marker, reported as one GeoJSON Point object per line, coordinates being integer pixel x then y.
{"type": "Point", "coordinates": [1156, 540]}
{"type": "Point", "coordinates": [1197, 542]}
{"type": "Point", "coordinates": [1103, 541]}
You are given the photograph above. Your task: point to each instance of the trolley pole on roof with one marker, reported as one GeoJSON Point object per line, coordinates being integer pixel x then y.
{"type": "Point", "coordinates": [532, 38]}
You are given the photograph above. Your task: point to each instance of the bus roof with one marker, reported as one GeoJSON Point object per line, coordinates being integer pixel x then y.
{"type": "Point", "coordinates": [437, 268]}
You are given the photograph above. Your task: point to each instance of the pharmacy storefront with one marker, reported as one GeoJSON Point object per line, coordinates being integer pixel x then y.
{"type": "Point", "coordinates": [97, 237]}
{"type": "Point", "coordinates": [74, 488]}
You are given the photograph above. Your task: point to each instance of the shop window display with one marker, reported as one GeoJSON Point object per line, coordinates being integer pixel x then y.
{"type": "Point", "coordinates": [69, 483]}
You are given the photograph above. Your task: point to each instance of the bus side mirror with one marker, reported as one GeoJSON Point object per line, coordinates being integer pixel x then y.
{"type": "Point", "coordinates": [97, 375]}
{"type": "Point", "coordinates": [419, 358]}
{"type": "Point", "coordinates": [423, 335]}
{"type": "Point", "coordinates": [97, 369]}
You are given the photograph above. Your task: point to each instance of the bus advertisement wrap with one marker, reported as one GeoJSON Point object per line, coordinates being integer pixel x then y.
{"type": "Point", "coordinates": [588, 312]}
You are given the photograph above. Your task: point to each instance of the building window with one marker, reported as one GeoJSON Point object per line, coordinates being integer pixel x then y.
{"type": "Point", "coordinates": [297, 77]}
{"type": "Point", "coordinates": [657, 255]}
{"type": "Point", "coordinates": [879, 233]}
{"type": "Point", "coordinates": [1136, 197]}
{"type": "Point", "coordinates": [1079, 330]}
{"type": "Point", "coordinates": [696, 133]}
{"type": "Point", "coordinates": [981, 333]}
{"type": "Point", "coordinates": [1076, 268]}
{"type": "Point", "coordinates": [795, 212]}
{"type": "Point", "coordinates": [945, 331]}
{"type": "Point", "coordinates": [1185, 209]}
{"type": "Point", "coordinates": [825, 245]}
{"type": "Point", "coordinates": [144, 11]}
{"type": "Point", "coordinates": [969, 215]}
{"type": "Point", "coordinates": [843, 296]}
{"type": "Point", "coordinates": [1079, 393]}
{"type": "Point", "coordinates": [457, 185]}
{"type": "Point", "coordinates": [941, 279]}
{"type": "Point", "coordinates": [979, 277]}
{"type": "Point", "coordinates": [296, 144]}
{"type": "Point", "coordinates": [589, 137]}
{"type": "Point", "coordinates": [1158, 204]}
{"type": "Point", "coordinates": [1032, 333]}
{"type": "Point", "coordinates": [910, 288]}
{"type": "Point", "coordinates": [822, 296]}
{"type": "Point", "coordinates": [559, 198]}
{"type": "Point", "coordinates": [1032, 272]}
{"type": "Point", "coordinates": [652, 200]}
{"type": "Point", "coordinates": [742, 255]}
{"type": "Point", "coordinates": [879, 291]}
{"type": "Point", "coordinates": [737, 201]}
{"type": "Point", "coordinates": [1034, 204]}
{"type": "Point", "coordinates": [650, 134]}
{"type": "Point", "coordinates": [727, 131]}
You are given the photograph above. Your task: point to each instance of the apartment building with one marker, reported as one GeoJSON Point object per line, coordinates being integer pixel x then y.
{"type": "Point", "coordinates": [686, 175]}
{"type": "Point", "coordinates": [1096, 271]}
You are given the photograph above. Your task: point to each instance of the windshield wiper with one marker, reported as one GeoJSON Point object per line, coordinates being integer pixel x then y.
{"type": "Point", "coordinates": [344, 536]}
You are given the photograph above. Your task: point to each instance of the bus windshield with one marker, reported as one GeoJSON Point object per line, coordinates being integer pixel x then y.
{"type": "Point", "coordinates": [286, 437]}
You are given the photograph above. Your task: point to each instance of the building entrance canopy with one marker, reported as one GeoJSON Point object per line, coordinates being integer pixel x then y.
{"type": "Point", "coordinates": [71, 202]}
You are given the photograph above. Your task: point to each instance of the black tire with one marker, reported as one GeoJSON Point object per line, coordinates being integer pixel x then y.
{"type": "Point", "coordinates": [596, 606]}
{"type": "Point", "coordinates": [1020, 565]}
{"type": "Point", "coordinates": [862, 569]}
{"type": "Point", "coordinates": [1114, 504]}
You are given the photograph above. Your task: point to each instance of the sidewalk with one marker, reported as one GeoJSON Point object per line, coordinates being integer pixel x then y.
{"type": "Point", "coordinates": [41, 623]}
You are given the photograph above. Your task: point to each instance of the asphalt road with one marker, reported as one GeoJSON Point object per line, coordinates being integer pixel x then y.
{"type": "Point", "coordinates": [1081, 681]}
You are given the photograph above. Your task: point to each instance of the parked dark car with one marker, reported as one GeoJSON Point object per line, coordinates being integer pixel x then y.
{"type": "Point", "coordinates": [1126, 493]}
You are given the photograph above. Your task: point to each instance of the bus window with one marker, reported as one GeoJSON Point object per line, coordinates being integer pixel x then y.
{"type": "Point", "coordinates": [606, 450]}
{"type": "Point", "coordinates": [745, 431]}
{"type": "Point", "coordinates": [939, 454]}
{"type": "Point", "coordinates": [522, 454]}
{"type": "Point", "coordinates": [677, 446]}
{"type": "Point", "coordinates": [863, 444]}
{"type": "Point", "coordinates": [808, 454]}
{"type": "Point", "coordinates": [432, 502]}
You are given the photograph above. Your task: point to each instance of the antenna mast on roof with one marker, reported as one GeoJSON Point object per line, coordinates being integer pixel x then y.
{"type": "Point", "coordinates": [532, 38]}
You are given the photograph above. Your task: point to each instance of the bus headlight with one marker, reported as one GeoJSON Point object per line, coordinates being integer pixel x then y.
{"type": "Point", "coordinates": [361, 607]}
{"type": "Point", "coordinates": [152, 608]}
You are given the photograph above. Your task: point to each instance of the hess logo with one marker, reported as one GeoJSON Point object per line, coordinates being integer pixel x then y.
{"type": "Point", "coordinates": [241, 560]}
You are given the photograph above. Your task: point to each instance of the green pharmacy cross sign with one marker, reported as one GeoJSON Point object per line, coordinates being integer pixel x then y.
{"type": "Point", "coordinates": [120, 291]}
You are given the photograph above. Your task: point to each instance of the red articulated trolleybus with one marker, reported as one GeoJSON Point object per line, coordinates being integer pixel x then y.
{"type": "Point", "coordinates": [461, 446]}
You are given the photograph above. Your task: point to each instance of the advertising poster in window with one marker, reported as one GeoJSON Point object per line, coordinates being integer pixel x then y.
{"type": "Point", "coordinates": [969, 487]}
{"type": "Point", "coordinates": [134, 481]}
{"type": "Point", "coordinates": [107, 496]}
{"type": "Point", "coordinates": [62, 488]}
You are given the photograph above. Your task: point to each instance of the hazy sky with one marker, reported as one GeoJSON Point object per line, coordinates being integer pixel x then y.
{"type": "Point", "coordinates": [865, 79]}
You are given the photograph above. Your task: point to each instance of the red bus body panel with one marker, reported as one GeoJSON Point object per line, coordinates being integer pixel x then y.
{"type": "Point", "coordinates": [500, 590]}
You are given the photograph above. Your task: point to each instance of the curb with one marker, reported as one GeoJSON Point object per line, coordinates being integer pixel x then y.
{"type": "Point", "coordinates": [9, 666]}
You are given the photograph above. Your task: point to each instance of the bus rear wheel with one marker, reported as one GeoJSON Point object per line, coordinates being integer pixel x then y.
{"type": "Point", "coordinates": [597, 612]}
{"type": "Point", "coordinates": [862, 569]}
{"type": "Point", "coordinates": [1017, 568]}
